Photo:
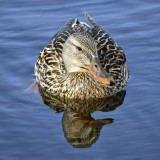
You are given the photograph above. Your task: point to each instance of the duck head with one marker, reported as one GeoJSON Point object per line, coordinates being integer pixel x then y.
{"type": "Point", "coordinates": [80, 55]}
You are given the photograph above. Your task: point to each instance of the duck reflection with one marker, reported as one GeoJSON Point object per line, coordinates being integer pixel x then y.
{"type": "Point", "coordinates": [80, 128]}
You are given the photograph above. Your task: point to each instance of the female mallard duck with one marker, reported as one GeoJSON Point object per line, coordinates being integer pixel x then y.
{"type": "Point", "coordinates": [81, 62]}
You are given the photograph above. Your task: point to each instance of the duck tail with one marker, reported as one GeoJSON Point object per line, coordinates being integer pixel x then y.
{"type": "Point", "coordinates": [90, 19]}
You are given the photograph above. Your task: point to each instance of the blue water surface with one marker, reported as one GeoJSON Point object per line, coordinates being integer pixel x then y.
{"type": "Point", "coordinates": [31, 130]}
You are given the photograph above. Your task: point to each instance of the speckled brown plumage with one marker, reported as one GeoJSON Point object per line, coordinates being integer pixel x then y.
{"type": "Point", "coordinates": [51, 73]}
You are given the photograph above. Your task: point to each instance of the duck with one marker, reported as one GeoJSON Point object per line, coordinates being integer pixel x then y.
{"type": "Point", "coordinates": [81, 62]}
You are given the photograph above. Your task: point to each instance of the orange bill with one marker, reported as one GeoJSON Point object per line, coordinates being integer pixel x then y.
{"type": "Point", "coordinates": [101, 121]}
{"type": "Point", "coordinates": [100, 74]}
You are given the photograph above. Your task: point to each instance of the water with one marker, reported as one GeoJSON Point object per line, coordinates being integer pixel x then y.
{"type": "Point", "coordinates": [29, 129]}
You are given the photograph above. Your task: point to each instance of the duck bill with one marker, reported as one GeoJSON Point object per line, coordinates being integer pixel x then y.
{"type": "Point", "coordinates": [100, 74]}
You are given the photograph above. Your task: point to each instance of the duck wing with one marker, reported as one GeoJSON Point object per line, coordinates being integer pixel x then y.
{"type": "Point", "coordinates": [111, 55]}
{"type": "Point", "coordinates": [49, 63]}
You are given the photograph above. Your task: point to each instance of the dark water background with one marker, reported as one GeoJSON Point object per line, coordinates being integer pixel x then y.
{"type": "Point", "coordinates": [31, 130]}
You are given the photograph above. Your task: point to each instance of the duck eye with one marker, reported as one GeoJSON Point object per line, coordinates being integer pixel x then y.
{"type": "Point", "coordinates": [79, 48]}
